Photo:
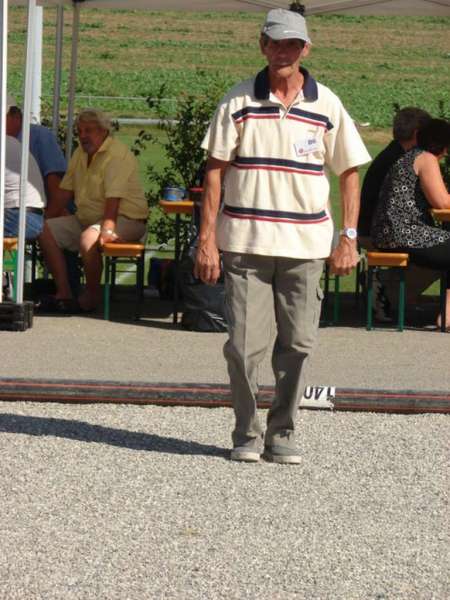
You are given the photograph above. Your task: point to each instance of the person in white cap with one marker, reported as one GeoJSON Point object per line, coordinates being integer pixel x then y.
{"type": "Point", "coordinates": [270, 142]}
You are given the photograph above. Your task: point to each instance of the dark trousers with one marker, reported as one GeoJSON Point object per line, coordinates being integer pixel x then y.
{"type": "Point", "coordinates": [435, 257]}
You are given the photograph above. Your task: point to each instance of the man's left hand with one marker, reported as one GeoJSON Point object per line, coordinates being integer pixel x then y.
{"type": "Point", "coordinates": [107, 236]}
{"type": "Point", "coordinates": [344, 257]}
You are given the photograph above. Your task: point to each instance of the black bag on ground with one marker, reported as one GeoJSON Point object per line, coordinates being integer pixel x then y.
{"type": "Point", "coordinates": [161, 275]}
{"type": "Point", "coordinates": [204, 305]}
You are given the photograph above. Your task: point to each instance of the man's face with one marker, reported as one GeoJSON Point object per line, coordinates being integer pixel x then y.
{"type": "Point", "coordinates": [91, 136]}
{"type": "Point", "coordinates": [13, 123]}
{"type": "Point", "coordinates": [283, 56]}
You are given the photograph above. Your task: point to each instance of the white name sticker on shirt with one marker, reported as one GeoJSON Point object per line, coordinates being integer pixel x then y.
{"type": "Point", "coordinates": [306, 146]}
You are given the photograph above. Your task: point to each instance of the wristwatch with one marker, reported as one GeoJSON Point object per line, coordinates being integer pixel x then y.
{"type": "Point", "coordinates": [349, 232]}
{"type": "Point", "coordinates": [108, 232]}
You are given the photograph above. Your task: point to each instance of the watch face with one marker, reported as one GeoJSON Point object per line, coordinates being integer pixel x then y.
{"type": "Point", "coordinates": [350, 232]}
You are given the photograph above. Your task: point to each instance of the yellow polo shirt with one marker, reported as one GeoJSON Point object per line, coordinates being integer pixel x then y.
{"type": "Point", "coordinates": [113, 173]}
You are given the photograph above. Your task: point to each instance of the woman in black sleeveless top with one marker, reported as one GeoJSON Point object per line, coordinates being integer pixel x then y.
{"type": "Point", "coordinates": [402, 221]}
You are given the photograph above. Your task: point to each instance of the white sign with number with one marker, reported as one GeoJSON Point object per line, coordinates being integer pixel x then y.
{"type": "Point", "coordinates": [318, 396]}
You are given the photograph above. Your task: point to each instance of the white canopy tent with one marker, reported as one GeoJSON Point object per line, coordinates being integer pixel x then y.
{"type": "Point", "coordinates": [366, 7]}
{"type": "Point", "coordinates": [361, 7]}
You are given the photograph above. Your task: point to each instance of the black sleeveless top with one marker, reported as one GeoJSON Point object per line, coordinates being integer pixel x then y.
{"type": "Point", "coordinates": [402, 218]}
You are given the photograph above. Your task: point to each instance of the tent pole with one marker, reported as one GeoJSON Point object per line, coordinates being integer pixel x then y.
{"type": "Point", "coordinates": [72, 80]}
{"type": "Point", "coordinates": [3, 74]}
{"type": "Point", "coordinates": [36, 86]}
{"type": "Point", "coordinates": [25, 147]}
{"type": "Point", "coordinates": [58, 68]}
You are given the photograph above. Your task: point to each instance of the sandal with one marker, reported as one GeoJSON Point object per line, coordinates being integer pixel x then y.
{"type": "Point", "coordinates": [61, 306]}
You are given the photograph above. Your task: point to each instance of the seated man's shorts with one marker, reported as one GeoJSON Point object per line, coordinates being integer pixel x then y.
{"type": "Point", "coordinates": [67, 230]}
{"type": "Point", "coordinates": [34, 223]}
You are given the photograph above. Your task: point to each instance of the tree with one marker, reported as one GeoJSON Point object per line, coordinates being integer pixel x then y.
{"type": "Point", "coordinates": [182, 147]}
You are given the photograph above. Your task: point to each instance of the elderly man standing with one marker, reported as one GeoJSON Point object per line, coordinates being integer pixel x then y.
{"type": "Point", "coordinates": [103, 179]}
{"type": "Point", "coordinates": [269, 143]}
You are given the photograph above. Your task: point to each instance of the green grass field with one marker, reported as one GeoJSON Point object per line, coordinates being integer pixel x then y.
{"type": "Point", "coordinates": [369, 62]}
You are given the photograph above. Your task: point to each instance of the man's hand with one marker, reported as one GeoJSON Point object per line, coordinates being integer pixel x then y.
{"type": "Point", "coordinates": [207, 263]}
{"type": "Point", "coordinates": [107, 235]}
{"type": "Point", "coordinates": [344, 257]}
{"type": "Point", "coordinates": [108, 226]}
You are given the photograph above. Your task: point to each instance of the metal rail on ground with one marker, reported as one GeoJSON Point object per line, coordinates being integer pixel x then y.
{"type": "Point", "coordinates": [212, 395]}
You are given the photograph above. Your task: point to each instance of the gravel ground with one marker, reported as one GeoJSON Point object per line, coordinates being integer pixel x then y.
{"type": "Point", "coordinates": [127, 502]}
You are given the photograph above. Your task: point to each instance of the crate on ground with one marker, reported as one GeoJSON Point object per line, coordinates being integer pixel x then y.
{"type": "Point", "coordinates": [16, 317]}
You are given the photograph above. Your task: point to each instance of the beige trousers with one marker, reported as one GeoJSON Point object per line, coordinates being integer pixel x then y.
{"type": "Point", "coordinates": [259, 289]}
{"type": "Point", "coordinates": [67, 230]}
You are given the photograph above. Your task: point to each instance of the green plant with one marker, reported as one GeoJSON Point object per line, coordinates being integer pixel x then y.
{"type": "Point", "coordinates": [182, 147]}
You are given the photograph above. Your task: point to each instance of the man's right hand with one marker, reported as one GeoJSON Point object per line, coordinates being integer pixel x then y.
{"type": "Point", "coordinates": [207, 263]}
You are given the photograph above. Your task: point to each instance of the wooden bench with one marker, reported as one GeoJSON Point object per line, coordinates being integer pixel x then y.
{"type": "Point", "coordinates": [395, 260]}
{"type": "Point", "coordinates": [114, 253]}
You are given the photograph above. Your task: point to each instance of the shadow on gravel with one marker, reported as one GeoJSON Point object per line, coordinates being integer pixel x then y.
{"type": "Point", "coordinates": [85, 432]}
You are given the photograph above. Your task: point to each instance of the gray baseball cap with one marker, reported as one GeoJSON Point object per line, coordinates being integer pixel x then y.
{"type": "Point", "coordinates": [283, 24]}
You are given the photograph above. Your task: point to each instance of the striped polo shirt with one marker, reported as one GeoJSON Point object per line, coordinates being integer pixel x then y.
{"type": "Point", "coordinates": [276, 189]}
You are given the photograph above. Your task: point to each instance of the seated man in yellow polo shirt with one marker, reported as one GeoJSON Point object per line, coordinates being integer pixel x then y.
{"type": "Point", "coordinates": [102, 178]}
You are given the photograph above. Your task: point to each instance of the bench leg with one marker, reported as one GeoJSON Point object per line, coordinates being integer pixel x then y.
{"type": "Point", "coordinates": [15, 270]}
{"type": "Point", "coordinates": [443, 300]}
{"type": "Point", "coordinates": [357, 280]}
{"type": "Point", "coordinates": [113, 275]}
{"type": "Point", "coordinates": [140, 266]}
{"type": "Point", "coordinates": [401, 300]}
{"type": "Point", "coordinates": [34, 260]}
{"type": "Point", "coordinates": [106, 289]}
